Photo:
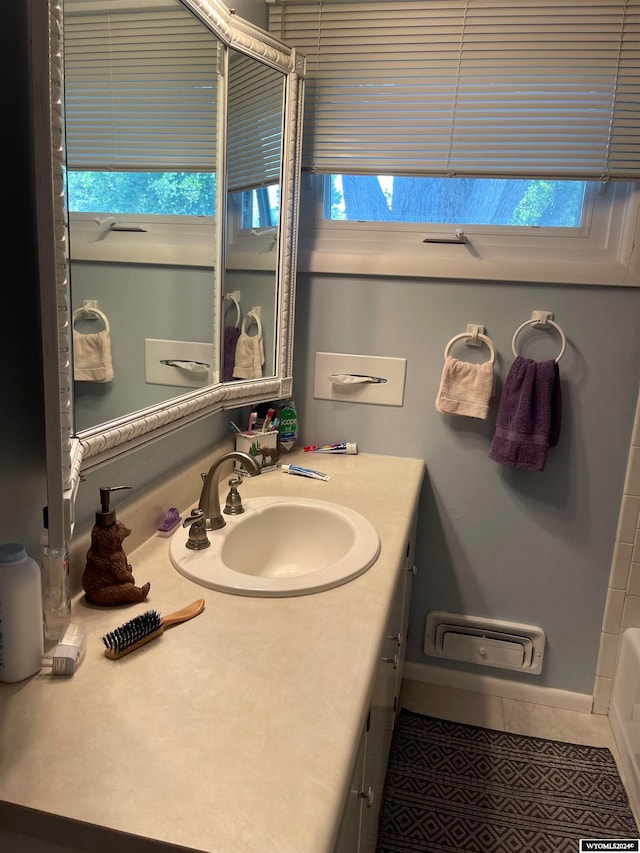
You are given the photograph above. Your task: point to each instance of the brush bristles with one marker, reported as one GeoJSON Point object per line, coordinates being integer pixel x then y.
{"type": "Point", "coordinates": [133, 631]}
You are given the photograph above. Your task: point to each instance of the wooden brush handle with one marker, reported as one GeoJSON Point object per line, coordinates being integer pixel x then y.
{"type": "Point", "coordinates": [183, 615]}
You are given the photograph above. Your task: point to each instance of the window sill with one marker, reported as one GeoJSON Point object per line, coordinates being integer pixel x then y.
{"type": "Point", "coordinates": [172, 242]}
{"type": "Point", "coordinates": [438, 262]}
{"type": "Point", "coordinates": [604, 252]}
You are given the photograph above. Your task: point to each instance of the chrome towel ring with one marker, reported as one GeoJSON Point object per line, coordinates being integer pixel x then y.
{"type": "Point", "coordinates": [541, 319]}
{"type": "Point", "coordinates": [473, 338]}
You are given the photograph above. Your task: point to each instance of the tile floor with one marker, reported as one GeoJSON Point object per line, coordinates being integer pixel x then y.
{"type": "Point", "coordinates": [510, 715]}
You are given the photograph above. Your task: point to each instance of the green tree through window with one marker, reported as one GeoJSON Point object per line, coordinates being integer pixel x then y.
{"type": "Point", "coordinates": [159, 193]}
{"type": "Point", "coordinates": [463, 201]}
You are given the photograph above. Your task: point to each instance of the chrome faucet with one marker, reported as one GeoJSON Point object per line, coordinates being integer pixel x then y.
{"type": "Point", "coordinates": [210, 496]}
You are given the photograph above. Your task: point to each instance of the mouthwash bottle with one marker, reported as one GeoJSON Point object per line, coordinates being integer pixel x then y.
{"type": "Point", "coordinates": [288, 426]}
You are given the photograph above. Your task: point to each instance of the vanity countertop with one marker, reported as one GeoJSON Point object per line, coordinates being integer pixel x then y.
{"type": "Point", "coordinates": [234, 732]}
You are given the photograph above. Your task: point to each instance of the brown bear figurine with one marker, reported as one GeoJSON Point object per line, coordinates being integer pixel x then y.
{"type": "Point", "coordinates": [107, 579]}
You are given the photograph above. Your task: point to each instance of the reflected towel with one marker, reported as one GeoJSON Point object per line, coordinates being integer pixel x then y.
{"type": "Point", "coordinates": [465, 388]}
{"type": "Point", "coordinates": [231, 335]}
{"type": "Point", "coordinates": [92, 357]}
{"type": "Point", "coordinates": [529, 415]}
{"type": "Point", "coordinates": [249, 357]}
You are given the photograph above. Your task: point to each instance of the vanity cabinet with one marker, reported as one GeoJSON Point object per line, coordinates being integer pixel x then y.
{"type": "Point", "coordinates": [359, 829]}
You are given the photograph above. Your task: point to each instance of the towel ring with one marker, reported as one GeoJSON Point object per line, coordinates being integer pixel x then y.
{"type": "Point", "coordinates": [237, 304]}
{"type": "Point", "coordinates": [537, 322]}
{"type": "Point", "coordinates": [256, 319]}
{"type": "Point", "coordinates": [82, 312]}
{"type": "Point", "coordinates": [483, 338]}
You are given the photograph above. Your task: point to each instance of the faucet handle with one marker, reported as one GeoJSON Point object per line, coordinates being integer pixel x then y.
{"type": "Point", "coordinates": [198, 539]}
{"type": "Point", "coordinates": [233, 505]}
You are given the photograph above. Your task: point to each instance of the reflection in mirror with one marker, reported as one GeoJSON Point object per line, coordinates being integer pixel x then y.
{"type": "Point", "coordinates": [141, 119]}
{"type": "Point", "coordinates": [162, 248]}
{"type": "Point", "coordinates": [254, 145]}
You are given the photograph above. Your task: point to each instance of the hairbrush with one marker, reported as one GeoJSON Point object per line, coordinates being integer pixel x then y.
{"type": "Point", "coordinates": [141, 629]}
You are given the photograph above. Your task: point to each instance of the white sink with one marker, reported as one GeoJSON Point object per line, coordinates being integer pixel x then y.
{"type": "Point", "coordinates": [281, 546]}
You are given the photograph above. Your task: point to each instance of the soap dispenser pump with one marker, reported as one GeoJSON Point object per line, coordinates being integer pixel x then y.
{"type": "Point", "coordinates": [105, 516]}
{"type": "Point", "coordinates": [107, 579]}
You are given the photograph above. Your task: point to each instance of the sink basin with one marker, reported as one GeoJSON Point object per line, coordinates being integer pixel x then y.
{"type": "Point", "coordinates": [281, 546]}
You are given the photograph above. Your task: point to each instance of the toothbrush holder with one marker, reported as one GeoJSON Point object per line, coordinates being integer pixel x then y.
{"type": "Point", "coordinates": [264, 447]}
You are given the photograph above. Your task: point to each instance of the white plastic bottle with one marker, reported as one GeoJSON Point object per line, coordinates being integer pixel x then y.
{"type": "Point", "coordinates": [21, 636]}
{"type": "Point", "coordinates": [56, 585]}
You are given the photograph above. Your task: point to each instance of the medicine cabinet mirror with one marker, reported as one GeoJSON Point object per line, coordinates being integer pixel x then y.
{"type": "Point", "coordinates": [155, 276]}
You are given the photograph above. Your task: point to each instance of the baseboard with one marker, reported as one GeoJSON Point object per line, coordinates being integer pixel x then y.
{"type": "Point", "coordinates": [493, 686]}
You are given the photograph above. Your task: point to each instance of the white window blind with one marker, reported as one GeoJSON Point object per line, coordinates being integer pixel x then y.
{"type": "Point", "coordinates": [140, 90]}
{"type": "Point", "coordinates": [482, 88]}
{"type": "Point", "coordinates": [255, 113]}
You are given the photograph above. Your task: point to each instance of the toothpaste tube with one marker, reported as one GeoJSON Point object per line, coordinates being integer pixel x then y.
{"type": "Point", "coordinates": [304, 472]}
{"type": "Point", "coordinates": [342, 447]}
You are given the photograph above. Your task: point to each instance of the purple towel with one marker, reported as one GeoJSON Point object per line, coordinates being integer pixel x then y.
{"type": "Point", "coordinates": [231, 335]}
{"type": "Point", "coordinates": [529, 415]}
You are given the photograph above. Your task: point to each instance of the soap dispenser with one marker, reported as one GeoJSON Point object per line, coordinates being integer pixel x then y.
{"type": "Point", "coordinates": [107, 579]}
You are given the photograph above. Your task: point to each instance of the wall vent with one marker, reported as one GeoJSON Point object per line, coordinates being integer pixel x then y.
{"type": "Point", "coordinates": [487, 642]}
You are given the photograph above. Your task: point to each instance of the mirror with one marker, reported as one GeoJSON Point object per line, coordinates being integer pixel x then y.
{"type": "Point", "coordinates": [177, 293]}
{"type": "Point", "coordinates": [144, 120]}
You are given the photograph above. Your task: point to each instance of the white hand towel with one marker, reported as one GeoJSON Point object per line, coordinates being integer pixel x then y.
{"type": "Point", "coordinates": [249, 350]}
{"type": "Point", "coordinates": [465, 388]}
{"type": "Point", "coordinates": [92, 357]}
{"type": "Point", "coordinates": [249, 357]}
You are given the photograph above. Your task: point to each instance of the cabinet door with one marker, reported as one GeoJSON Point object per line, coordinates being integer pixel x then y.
{"type": "Point", "coordinates": [349, 838]}
{"type": "Point", "coordinates": [377, 743]}
{"type": "Point", "coordinates": [403, 598]}
{"type": "Point", "coordinates": [363, 806]}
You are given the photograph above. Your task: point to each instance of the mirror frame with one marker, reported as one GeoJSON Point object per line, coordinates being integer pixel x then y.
{"type": "Point", "coordinates": [101, 444]}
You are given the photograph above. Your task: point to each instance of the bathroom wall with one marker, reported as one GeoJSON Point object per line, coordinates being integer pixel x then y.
{"type": "Point", "coordinates": [493, 541]}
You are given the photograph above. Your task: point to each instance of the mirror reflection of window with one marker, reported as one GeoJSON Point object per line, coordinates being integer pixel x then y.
{"type": "Point", "coordinates": [254, 156]}
{"type": "Point", "coordinates": [141, 110]}
{"type": "Point", "coordinates": [254, 138]}
{"type": "Point", "coordinates": [141, 100]}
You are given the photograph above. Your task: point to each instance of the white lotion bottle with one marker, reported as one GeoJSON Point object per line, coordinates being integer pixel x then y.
{"type": "Point", "coordinates": [21, 634]}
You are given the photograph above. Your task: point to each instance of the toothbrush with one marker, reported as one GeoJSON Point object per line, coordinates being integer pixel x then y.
{"type": "Point", "coordinates": [252, 419]}
{"type": "Point", "coordinates": [266, 426]}
{"type": "Point", "coordinates": [141, 629]}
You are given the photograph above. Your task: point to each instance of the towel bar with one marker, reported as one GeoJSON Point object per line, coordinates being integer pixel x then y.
{"type": "Point", "coordinates": [541, 319]}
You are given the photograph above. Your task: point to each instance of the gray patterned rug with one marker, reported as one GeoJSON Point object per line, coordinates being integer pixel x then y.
{"type": "Point", "coordinates": [454, 788]}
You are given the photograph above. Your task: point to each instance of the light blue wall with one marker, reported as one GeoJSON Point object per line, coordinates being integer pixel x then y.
{"type": "Point", "coordinates": [492, 541]}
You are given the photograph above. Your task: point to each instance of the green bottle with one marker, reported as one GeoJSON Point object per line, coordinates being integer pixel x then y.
{"type": "Point", "coordinates": [288, 426]}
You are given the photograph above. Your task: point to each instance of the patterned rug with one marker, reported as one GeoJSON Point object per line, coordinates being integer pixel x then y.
{"type": "Point", "coordinates": [454, 788]}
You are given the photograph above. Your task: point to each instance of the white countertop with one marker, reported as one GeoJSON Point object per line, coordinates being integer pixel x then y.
{"type": "Point", "coordinates": [232, 733]}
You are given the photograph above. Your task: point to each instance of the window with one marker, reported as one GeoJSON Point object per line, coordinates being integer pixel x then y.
{"type": "Point", "coordinates": [260, 208]}
{"type": "Point", "coordinates": [142, 106]}
{"type": "Point", "coordinates": [515, 122]}
{"type": "Point", "coordinates": [461, 201]}
{"type": "Point", "coordinates": [155, 193]}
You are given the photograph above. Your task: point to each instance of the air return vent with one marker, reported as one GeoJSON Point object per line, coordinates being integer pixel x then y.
{"type": "Point", "coordinates": [488, 642]}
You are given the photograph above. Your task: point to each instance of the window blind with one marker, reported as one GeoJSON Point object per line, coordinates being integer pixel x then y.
{"type": "Point", "coordinates": [481, 88]}
{"type": "Point", "coordinates": [140, 90]}
{"type": "Point", "coordinates": [255, 114]}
